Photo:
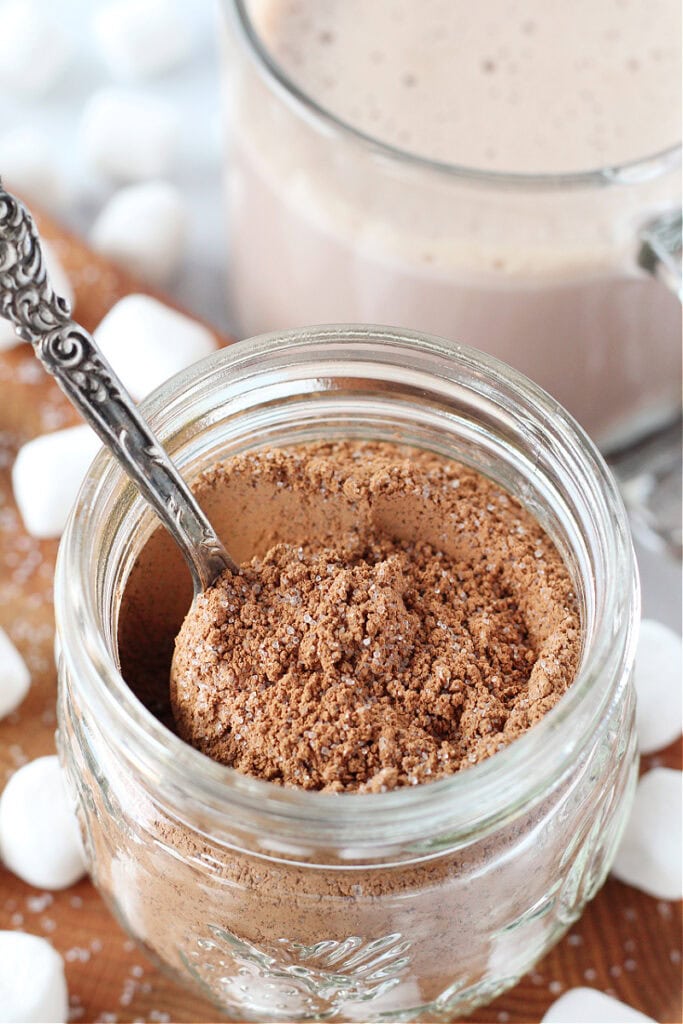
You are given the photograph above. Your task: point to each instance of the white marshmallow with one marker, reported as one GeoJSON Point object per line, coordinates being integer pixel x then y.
{"type": "Point", "coordinates": [57, 275]}
{"type": "Point", "coordinates": [59, 281]}
{"type": "Point", "coordinates": [47, 474]}
{"type": "Point", "coordinates": [27, 164]}
{"type": "Point", "coordinates": [147, 342]}
{"type": "Point", "coordinates": [589, 1006]}
{"type": "Point", "coordinates": [32, 983]}
{"type": "Point", "coordinates": [138, 40]}
{"type": "Point", "coordinates": [657, 677]}
{"type": "Point", "coordinates": [143, 227]}
{"type": "Point", "coordinates": [39, 836]}
{"type": "Point", "coordinates": [15, 677]}
{"type": "Point", "coordinates": [128, 136]}
{"type": "Point", "coordinates": [8, 336]}
{"type": "Point", "coordinates": [34, 49]}
{"type": "Point", "coordinates": [649, 856]}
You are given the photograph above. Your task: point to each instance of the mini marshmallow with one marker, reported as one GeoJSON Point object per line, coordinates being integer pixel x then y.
{"type": "Point", "coordinates": [59, 281]}
{"type": "Point", "coordinates": [649, 856]}
{"type": "Point", "coordinates": [143, 228]}
{"type": "Point", "coordinates": [34, 49]}
{"type": "Point", "coordinates": [57, 275]}
{"type": "Point", "coordinates": [8, 336]}
{"type": "Point", "coordinates": [32, 983]}
{"type": "Point", "coordinates": [15, 677]}
{"type": "Point", "coordinates": [589, 1006]}
{"type": "Point", "coordinates": [47, 474]}
{"type": "Point", "coordinates": [39, 836]}
{"type": "Point", "coordinates": [147, 342]}
{"type": "Point", "coordinates": [657, 677]}
{"type": "Point", "coordinates": [27, 164]}
{"type": "Point", "coordinates": [128, 136]}
{"type": "Point", "coordinates": [138, 40]}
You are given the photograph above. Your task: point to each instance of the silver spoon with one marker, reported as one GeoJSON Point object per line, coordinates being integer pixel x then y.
{"type": "Point", "coordinates": [70, 354]}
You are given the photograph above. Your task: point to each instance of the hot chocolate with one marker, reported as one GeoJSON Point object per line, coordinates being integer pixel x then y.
{"type": "Point", "coordinates": [328, 225]}
{"type": "Point", "coordinates": [533, 87]}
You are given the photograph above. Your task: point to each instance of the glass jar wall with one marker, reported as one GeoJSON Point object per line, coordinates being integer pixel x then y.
{"type": "Point", "coordinates": [419, 903]}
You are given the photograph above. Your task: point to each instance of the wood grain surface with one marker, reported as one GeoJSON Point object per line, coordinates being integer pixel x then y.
{"type": "Point", "coordinates": [626, 944]}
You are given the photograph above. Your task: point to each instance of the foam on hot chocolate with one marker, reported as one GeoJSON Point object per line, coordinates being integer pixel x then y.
{"type": "Point", "coordinates": [533, 86]}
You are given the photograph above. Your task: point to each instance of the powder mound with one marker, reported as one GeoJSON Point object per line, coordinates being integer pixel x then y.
{"type": "Point", "coordinates": [367, 665]}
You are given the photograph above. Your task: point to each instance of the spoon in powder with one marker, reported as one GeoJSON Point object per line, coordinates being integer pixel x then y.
{"type": "Point", "coordinates": [70, 354]}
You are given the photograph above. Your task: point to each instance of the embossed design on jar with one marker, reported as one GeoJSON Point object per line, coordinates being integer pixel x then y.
{"type": "Point", "coordinates": [288, 976]}
{"type": "Point", "coordinates": [461, 998]}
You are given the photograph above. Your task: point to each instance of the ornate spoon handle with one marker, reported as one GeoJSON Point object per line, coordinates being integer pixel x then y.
{"type": "Point", "coordinates": [70, 354]}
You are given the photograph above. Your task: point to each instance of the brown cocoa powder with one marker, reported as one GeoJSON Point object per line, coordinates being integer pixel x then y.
{"type": "Point", "coordinates": [365, 661]}
{"type": "Point", "coordinates": [264, 926]}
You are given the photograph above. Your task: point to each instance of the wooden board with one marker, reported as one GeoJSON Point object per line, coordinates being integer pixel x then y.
{"type": "Point", "coordinates": [626, 943]}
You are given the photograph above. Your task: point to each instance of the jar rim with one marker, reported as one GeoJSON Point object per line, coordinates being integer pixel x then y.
{"type": "Point", "coordinates": [629, 172]}
{"type": "Point", "coordinates": [475, 796]}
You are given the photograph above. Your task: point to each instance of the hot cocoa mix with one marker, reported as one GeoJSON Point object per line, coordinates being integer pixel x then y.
{"type": "Point", "coordinates": [271, 918]}
{"type": "Point", "coordinates": [397, 617]}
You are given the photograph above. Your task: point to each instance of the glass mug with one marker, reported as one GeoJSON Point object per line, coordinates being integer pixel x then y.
{"type": "Point", "coordinates": [546, 272]}
{"type": "Point", "coordinates": [281, 904]}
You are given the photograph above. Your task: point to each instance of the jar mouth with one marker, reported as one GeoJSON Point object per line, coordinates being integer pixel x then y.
{"type": "Point", "coordinates": [273, 366]}
{"type": "Point", "coordinates": [630, 172]}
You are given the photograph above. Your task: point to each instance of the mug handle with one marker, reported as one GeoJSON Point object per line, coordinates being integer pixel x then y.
{"type": "Point", "coordinates": [660, 250]}
{"type": "Point", "coordinates": [650, 472]}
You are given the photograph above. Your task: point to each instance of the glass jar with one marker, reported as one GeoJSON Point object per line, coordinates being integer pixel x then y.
{"type": "Point", "coordinates": [420, 903]}
{"type": "Point", "coordinates": [328, 224]}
